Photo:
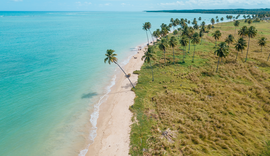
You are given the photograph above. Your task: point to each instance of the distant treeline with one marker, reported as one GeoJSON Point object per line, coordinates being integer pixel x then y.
{"type": "Point", "coordinates": [265, 11]}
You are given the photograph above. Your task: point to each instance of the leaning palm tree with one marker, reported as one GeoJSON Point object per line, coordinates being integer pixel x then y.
{"type": "Point", "coordinates": [195, 40]}
{"type": "Point", "coordinates": [145, 27]}
{"type": "Point", "coordinates": [172, 43]}
{"type": "Point", "coordinates": [184, 43]}
{"type": "Point", "coordinates": [252, 32]}
{"type": "Point", "coordinates": [164, 31]}
{"type": "Point", "coordinates": [201, 34]}
{"type": "Point", "coordinates": [111, 58]}
{"type": "Point", "coordinates": [162, 46]}
{"type": "Point", "coordinates": [262, 42]}
{"type": "Point", "coordinates": [222, 51]}
{"type": "Point", "coordinates": [229, 39]}
{"type": "Point", "coordinates": [148, 56]}
{"type": "Point", "coordinates": [216, 35]}
{"type": "Point", "coordinates": [240, 45]}
{"type": "Point", "coordinates": [236, 24]}
{"type": "Point", "coordinates": [149, 27]}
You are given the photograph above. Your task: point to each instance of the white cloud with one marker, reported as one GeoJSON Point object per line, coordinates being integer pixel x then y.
{"type": "Point", "coordinates": [83, 3]}
{"type": "Point", "coordinates": [17, 0]}
{"type": "Point", "coordinates": [107, 4]}
{"type": "Point", "coordinates": [174, 3]}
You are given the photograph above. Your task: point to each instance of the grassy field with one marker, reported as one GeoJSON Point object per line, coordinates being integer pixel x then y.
{"type": "Point", "coordinates": [191, 110]}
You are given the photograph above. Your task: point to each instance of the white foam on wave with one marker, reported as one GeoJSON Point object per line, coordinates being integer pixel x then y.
{"type": "Point", "coordinates": [95, 115]}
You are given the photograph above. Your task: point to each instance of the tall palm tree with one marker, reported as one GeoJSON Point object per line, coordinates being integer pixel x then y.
{"type": "Point", "coordinates": [229, 39]}
{"type": "Point", "coordinates": [162, 46]}
{"type": "Point", "coordinates": [243, 31]}
{"type": "Point", "coordinates": [201, 34]}
{"type": "Point", "coordinates": [145, 27]}
{"type": "Point", "coordinates": [249, 21]}
{"type": "Point", "coordinates": [184, 43]}
{"type": "Point", "coordinates": [111, 58]}
{"type": "Point", "coordinates": [221, 51]}
{"type": "Point", "coordinates": [172, 43]}
{"type": "Point", "coordinates": [190, 34]}
{"type": "Point", "coordinates": [213, 21]}
{"type": "Point", "coordinates": [216, 35]}
{"type": "Point", "coordinates": [203, 24]}
{"type": "Point", "coordinates": [164, 31]}
{"type": "Point", "coordinates": [221, 18]}
{"type": "Point", "coordinates": [195, 40]}
{"type": "Point", "coordinates": [262, 42]}
{"type": "Point", "coordinates": [149, 27]}
{"type": "Point", "coordinates": [148, 56]}
{"type": "Point", "coordinates": [240, 45]}
{"type": "Point", "coordinates": [209, 26]}
{"type": "Point", "coordinates": [236, 24]}
{"type": "Point", "coordinates": [252, 32]}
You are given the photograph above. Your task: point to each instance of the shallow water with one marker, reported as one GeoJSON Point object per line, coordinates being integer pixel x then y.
{"type": "Point", "coordinates": [52, 74]}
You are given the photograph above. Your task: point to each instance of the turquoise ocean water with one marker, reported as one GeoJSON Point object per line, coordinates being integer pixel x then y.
{"type": "Point", "coordinates": [52, 74]}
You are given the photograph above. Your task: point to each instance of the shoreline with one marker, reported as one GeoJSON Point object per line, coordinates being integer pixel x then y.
{"type": "Point", "coordinates": [114, 120]}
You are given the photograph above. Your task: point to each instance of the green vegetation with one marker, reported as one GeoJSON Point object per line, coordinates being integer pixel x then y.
{"type": "Point", "coordinates": [220, 11]}
{"type": "Point", "coordinates": [189, 109]}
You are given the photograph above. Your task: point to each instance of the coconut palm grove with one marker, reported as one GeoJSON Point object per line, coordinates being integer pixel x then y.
{"type": "Point", "coordinates": [204, 89]}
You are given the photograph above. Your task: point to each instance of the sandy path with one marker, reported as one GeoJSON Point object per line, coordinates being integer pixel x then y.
{"type": "Point", "coordinates": [114, 116]}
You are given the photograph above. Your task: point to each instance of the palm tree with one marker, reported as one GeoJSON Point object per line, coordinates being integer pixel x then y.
{"type": "Point", "coordinates": [172, 43]}
{"type": "Point", "coordinates": [240, 45]}
{"type": "Point", "coordinates": [200, 18]}
{"type": "Point", "coordinates": [216, 35]}
{"type": "Point", "coordinates": [243, 31]}
{"type": "Point", "coordinates": [145, 27]}
{"type": "Point", "coordinates": [229, 39]}
{"type": "Point", "coordinates": [162, 46]}
{"type": "Point", "coordinates": [213, 21]}
{"type": "Point", "coordinates": [111, 58]}
{"type": "Point", "coordinates": [190, 34]}
{"type": "Point", "coordinates": [209, 26]}
{"type": "Point", "coordinates": [164, 31]}
{"type": "Point", "coordinates": [201, 34]}
{"type": "Point", "coordinates": [262, 42]}
{"type": "Point", "coordinates": [203, 24]}
{"type": "Point", "coordinates": [222, 51]}
{"type": "Point", "coordinates": [148, 56]}
{"type": "Point", "coordinates": [203, 28]}
{"type": "Point", "coordinates": [252, 32]}
{"type": "Point", "coordinates": [149, 27]}
{"type": "Point", "coordinates": [222, 19]}
{"type": "Point", "coordinates": [184, 43]}
{"type": "Point", "coordinates": [236, 24]}
{"type": "Point", "coordinates": [249, 21]}
{"type": "Point", "coordinates": [195, 40]}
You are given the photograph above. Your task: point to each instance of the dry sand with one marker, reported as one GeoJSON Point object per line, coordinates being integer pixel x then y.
{"type": "Point", "coordinates": [114, 116]}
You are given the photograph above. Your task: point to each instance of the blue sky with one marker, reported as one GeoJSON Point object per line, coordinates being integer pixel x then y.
{"type": "Point", "coordinates": [126, 5]}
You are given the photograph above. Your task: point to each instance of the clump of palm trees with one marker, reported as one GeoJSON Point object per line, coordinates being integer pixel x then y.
{"type": "Point", "coordinates": [191, 35]}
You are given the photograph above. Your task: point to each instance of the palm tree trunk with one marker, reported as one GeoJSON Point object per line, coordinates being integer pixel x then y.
{"type": "Point", "coordinates": [189, 45]}
{"type": "Point", "coordinates": [268, 57]}
{"type": "Point", "coordinates": [184, 54]}
{"type": "Point", "coordinates": [247, 49]}
{"type": "Point", "coordinates": [124, 73]}
{"type": "Point", "coordinates": [201, 41]}
{"type": "Point", "coordinates": [217, 64]}
{"type": "Point", "coordinates": [151, 35]}
{"type": "Point", "coordinates": [193, 55]}
{"type": "Point", "coordinates": [235, 31]}
{"type": "Point", "coordinates": [236, 55]}
{"type": "Point", "coordinates": [164, 58]}
{"type": "Point", "coordinates": [261, 48]}
{"type": "Point", "coordinates": [147, 38]}
{"type": "Point", "coordinates": [173, 57]}
{"type": "Point", "coordinates": [152, 72]}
